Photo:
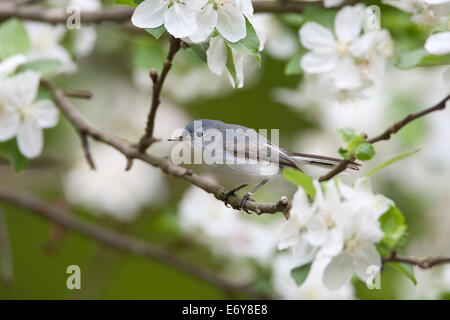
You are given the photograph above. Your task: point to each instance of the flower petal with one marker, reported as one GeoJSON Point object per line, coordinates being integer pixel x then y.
{"type": "Point", "coordinates": [238, 59]}
{"type": "Point", "coordinates": [365, 257]}
{"type": "Point", "coordinates": [348, 23]}
{"type": "Point", "coordinates": [317, 231]}
{"type": "Point", "coordinates": [149, 14]}
{"type": "Point", "coordinates": [180, 20]}
{"type": "Point", "coordinates": [246, 7]}
{"type": "Point", "coordinates": [30, 138]}
{"type": "Point", "coordinates": [347, 75]}
{"type": "Point", "coordinates": [206, 22]}
{"type": "Point", "coordinates": [10, 64]}
{"type": "Point", "coordinates": [231, 23]}
{"type": "Point", "coordinates": [438, 43]}
{"type": "Point", "coordinates": [317, 38]}
{"type": "Point", "coordinates": [9, 122]}
{"type": "Point", "coordinates": [21, 90]}
{"type": "Point", "coordinates": [217, 55]}
{"type": "Point", "coordinates": [338, 272]}
{"type": "Point", "coordinates": [46, 113]}
{"type": "Point", "coordinates": [319, 62]}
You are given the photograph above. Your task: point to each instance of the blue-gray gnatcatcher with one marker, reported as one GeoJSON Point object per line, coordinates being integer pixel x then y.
{"type": "Point", "coordinates": [240, 155]}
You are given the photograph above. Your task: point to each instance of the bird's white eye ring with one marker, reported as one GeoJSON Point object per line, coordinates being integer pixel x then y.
{"type": "Point", "coordinates": [199, 134]}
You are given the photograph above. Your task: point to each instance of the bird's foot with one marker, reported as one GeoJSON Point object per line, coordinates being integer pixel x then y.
{"type": "Point", "coordinates": [231, 193]}
{"type": "Point", "coordinates": [246, 198]}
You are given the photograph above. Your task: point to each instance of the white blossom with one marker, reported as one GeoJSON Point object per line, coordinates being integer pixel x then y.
{"type": "Point", "coordinates": [228, 17]}
{"type": "Point", "coordinates": [217, 57]}
{"type": "Point", "coordinates": [110, 190]}
{"type": "Point", "coordinates": [225, 232]}
{"type": "Point", "coordinates": [347, 57]}
{"type": "Point", "coordinates": [341, 223]}
{"type": "Point", "coordinates": [178, 17]}
{"type": "Point", "coordinates": [9, 65]}
{"type": "Point", "coordinates": [22, 116]}
{"type": "Point", "coordinates": [45, 45]}
{"type": "Point", "coordinates": [313, 287]}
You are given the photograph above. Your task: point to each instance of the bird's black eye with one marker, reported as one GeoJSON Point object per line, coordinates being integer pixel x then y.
{"type": "Point", "coordinates": [199, 134]}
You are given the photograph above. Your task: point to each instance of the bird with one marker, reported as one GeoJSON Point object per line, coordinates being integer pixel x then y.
{"type": "Point", "coordinates": [239, 154]}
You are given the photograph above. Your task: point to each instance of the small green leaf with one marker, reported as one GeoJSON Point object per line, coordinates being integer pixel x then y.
{"type": "Point", "coordinates": [406, 269]}
{"type": "Point", "coordinates": [300, 273]}
{"type": "Point", "coordinates": [200, 50]}
{"type": "Point", "coordinates": [156, 32]}
{"type": "Point", "coordinates": [44, 67]}
{"type": "Point", "coordinates": [390, 162]}
{"type": "Point", "coordinates": [10, 152]}
{"type": "Point", "coordinates": [393, 226]}
{"type": "Point", "coordinates": [293, 66]}
{"type": "Point", "coordinates": [347, 134]}
{"type": "Point", "coordinates": [13, 38]}
{"type": "Point", "coordinates": [300, 179]}
{"type": "Point", "coordinates": [364, 151]}
{"type": "Point", "coordinates": [248, 45]}
{"type": "Point", "coordinates": [231, 67]}
{"type": "Point", "coordinates": [319, 14]}
{"type": "Point", "coordinates": [344, 153]}
{"type": "Point", "coordinates": [419, 58]}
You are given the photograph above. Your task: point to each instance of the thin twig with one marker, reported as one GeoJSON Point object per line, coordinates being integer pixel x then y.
{"type": "Point", "coordinates": [119, 240]}
{"type": "Point", "coordinates": [79, 94]}
{"type": "Point", "coordinates": [386, 135]}
{"type": "Point", "coordinates": [158, 82]}
{"type": "Point", "coordinates": [123, 13]}
{"type": "Point", "coordinates": [423, 263]}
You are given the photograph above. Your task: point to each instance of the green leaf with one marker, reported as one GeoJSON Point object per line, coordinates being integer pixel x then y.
{"type": "Point", "coordinates": [300, 179]}
{"type": "Point", "coordinates": [393, 226]}
{"type": "Point", "coordinates": [231, 67]}
{"type": "Point", "coordinates": [293, 66]}
{"type": "Point", "coordinates": [156, 32]}
{"type": "Point", "coordinates": [10, 152]}
{"type": "Point", "coordinates": [323, 16]}
{"type": "Point", "coordinates": [406, 269]}
{"type": "Point", "coordinates": [44, 67]}
{"type": "Point", "coordinates": [300, 273]}
{"type": "Point", "coordinates": [345, 154]}
{"type": "Point", "coordinates": [347, 134]}
{"type": "Point", "coordinates": [390, 162]}
{"type": "Point", "coordinates": [364, 151]}
{"type": "Point", "coordinates": [419, 58]}
{"type": "Point", "coordinates": [200, 50]}
{"type": "Point", "coordinates": [248, 45]}
{"type": "Point", "coordinates": [13, 39]}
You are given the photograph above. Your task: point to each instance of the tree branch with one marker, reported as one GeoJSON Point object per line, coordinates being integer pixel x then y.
{"type": "Point", "coordinates": [386, 135]}
{"type": "Point", "coordinates": [119, 240]}
{"type": "Point", "coordinates": [131, 152]}
{"type": "Point", "coordinates": [423, 263]}
{"type": "Point", "coordinates": [158, 82]}
{"type": "Point", "coordinates": [123, 13]}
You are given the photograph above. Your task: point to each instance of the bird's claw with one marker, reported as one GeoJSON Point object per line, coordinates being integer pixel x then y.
{"type": "Point", "coordinates": [246, 198]}
{"type": "Point", "coordinates": [231, 193]}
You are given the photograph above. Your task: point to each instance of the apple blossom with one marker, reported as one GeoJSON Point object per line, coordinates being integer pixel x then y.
{"type": "Point", "coordinates": [22, 116]}
{"type": "Point", "coordinates": [179, 17]}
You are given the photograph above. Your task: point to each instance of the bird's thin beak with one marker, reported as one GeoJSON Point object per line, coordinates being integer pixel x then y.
{"type": "Point", "coordinates": [180, 138]}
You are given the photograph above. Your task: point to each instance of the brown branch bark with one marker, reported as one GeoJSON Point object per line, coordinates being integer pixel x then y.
{"type": "Point", "coordinates": [118, 240]}
{"type": "Point", "coordinates": [386, 135]}
{"type": "Point", "coordinates": [123, 13]}
{"type": "Point", "coordinates": [158, 82]}
{"type": "Point", "coordinates": [423, 263]}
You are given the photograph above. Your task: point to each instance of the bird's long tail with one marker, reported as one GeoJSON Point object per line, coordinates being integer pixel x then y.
{"type": "Point", "coordinates": [319, 161]}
